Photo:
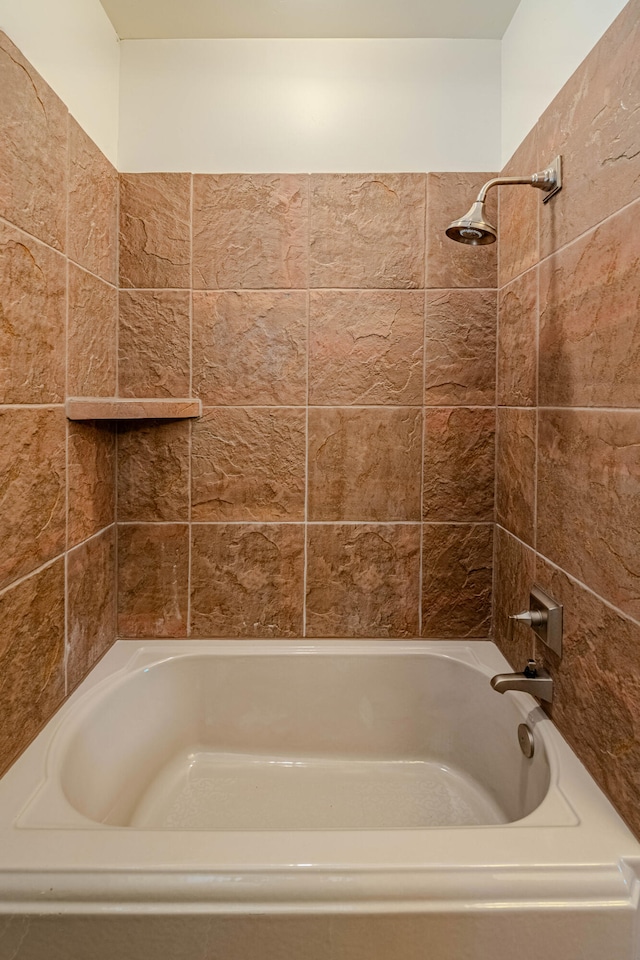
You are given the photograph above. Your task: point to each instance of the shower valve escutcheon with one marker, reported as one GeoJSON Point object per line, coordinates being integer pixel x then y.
{"type": "Point", "coordinates": [544, 616]}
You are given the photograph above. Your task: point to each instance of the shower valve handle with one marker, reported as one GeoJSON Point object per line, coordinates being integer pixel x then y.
{"type": "Point", "coordinates": [532, 618]}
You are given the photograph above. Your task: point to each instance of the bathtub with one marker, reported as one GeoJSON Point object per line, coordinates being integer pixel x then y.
{"type": "Point", "coordinates": [342, 800]}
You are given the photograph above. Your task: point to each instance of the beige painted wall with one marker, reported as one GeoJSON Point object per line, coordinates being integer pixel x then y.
{"type": "Point", "coordinates": [543, 45]}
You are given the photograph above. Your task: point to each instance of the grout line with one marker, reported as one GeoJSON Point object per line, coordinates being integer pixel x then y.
{"type": "Point", "coordinates": [537, 409]}
{"type": "Point", "coordinates": [520, 276]}
{"type": "Point", "coordinates": [570, 409]}
{"type": "Point", "coordinates": [424, 408]}
{"type": "Point", "coordinates": [300, 290]}
{"type": "Point", "coordinates": [493, 629]}
{"type": "Point", "coordinates": [302, 521]}
{"type": "Point", "coordinates": [536, 347]}
{"type": "Point", "coordinates": [570, 243]}
{"type": "Point", "coordinates": [190, 289]}
{"type": "Point", "coordinates": [425, 234]}
{"type": "Point", "coordinates": [312, 406]}
{"type": "Point", "coordinates": [96, 276]}
{"type": "Point", "coordinates": [408, 291]}
{"type": "Point", "coordinates": [94, 536]}
{"type": "Point", "coordinates": [118, 345]}
{"type": "Point", "coordinates": [33, 406]}
{"type": "Point", "coordinates": [458, 289]}
{"type": "Point", "coordinates": [570, 576]}
{"type": "Point", "coordinates": [32, 573]}
{"type": "Point", "coordinates": [116, 508]}
{"type": "Point", "coordinates": [494, 618]}
{"type": "Point", "coordinates": [65, 659]}
{"type": "Point", "coordinates": [591, 409]}
{"type": "Point", "coordinates": [116, 428]}
{"type": "Point", "coordinates": [32, 236]}
{"type": "Point", "coordinates": [348, 406]}
{"type": "Point", "coordinates": [190, 425]}
{"type": "Point", "coordinates": [61, 253]}
{"type": "Point", "coordinates": [306, 431]}
{"type": "Point", "coordinates": [159, 523]}
{"type": "Point", "coordinates": [67, 424]}
{"type": "Point", "coordinates": [117, 332]}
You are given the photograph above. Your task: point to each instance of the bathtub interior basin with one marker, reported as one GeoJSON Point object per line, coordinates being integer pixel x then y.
{"type": "Point", "coordinates": [298, 741]}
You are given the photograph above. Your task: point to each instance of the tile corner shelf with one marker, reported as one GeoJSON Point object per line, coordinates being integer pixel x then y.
{"type": "Point", "coordinates": [118, 408]}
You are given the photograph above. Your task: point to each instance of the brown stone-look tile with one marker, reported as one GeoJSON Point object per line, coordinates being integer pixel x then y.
{"type": "Point", "coordinates": [31, 658]}
{"type": "Point", "coordinates": [366, 346]}
{"type": "Point", "coordinates": [249, 464]}
{"type": "Point", "coordinates": [590, 318]}
{"type": "Point", "coordinates": [91, 599]}
{"type": "Point", "coordinates": [459, 461]}
{"type": "Point", "coordinates": [516, 472]}
{"type": "Point", "coordinates": [515, 574]}
{"type": "Point", "coordinates": [451, 264]}
{"type": "Point", "coordinates": [32, 320]}
{"type": "Point", "coordinates": [247, 580]}
{"type": "Point", "coordinates": [460, 347]}
{"type": "Point", "coordinates": [153, 470]}
{"type": "Point", "coordinates": [595, 124]}
{"type": "Point", "coordinates": [250, 347]}
{"type": "Point", "coordinates": [154, 344]}
{"type": "Point", "coordinates": [457, 565]}
{"type": "Point", "coordinates": [92, 327]}
{"type": "Point", "coordinates": [517, 341]}
{"type": "Point", "coordinates": [155, 229]}
{"type": "Point", "coordinates": [33, 150]}
{"type": "Point", "coordinates": [589, 499]}
{"type": "Point", "coordinates": [520, 207]}
{"type": "Point", "coordinates": [249, 231]}
{"type": "Point", "coordinates": [367, 230]}
{"type": "Point", "coordinates": [596, 700]}
{"type": "Point", "coordinates": [32, 489]}
{"type": "Point", "coordinates": [93, 206]}
{"type": "Point", "coordinates": [363, 580]}
{"type": "Point", "coordinates": [92, 479]}
{"type": "Point", "coordinates": [364, 464]}
{"type": "Point", "coordinates": [153, 579]}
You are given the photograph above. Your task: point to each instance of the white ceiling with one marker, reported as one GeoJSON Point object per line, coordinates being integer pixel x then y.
{"type": "Point", "coordinates": [168, 19]}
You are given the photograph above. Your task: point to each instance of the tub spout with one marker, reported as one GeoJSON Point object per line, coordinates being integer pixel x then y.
{"type": "Point", "coordinates": [536, 682]}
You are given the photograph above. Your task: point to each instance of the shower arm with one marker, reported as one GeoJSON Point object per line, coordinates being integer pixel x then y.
{"type": "Point", "coordinates": [549, 180]}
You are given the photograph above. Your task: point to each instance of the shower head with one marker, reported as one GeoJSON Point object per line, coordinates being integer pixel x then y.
{"type": "Point", "coordinates": [475, 229]}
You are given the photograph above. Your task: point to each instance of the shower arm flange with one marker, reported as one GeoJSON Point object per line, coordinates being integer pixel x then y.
{"type": "Point", "coordinates": [549, 180]}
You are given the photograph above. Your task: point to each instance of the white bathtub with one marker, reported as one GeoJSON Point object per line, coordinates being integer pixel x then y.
{"type": "Point", "coordinates": [329, 801]}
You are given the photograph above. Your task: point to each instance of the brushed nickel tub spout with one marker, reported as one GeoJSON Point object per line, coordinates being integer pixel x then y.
{"type": "Point", "coordinates": [536, 682]}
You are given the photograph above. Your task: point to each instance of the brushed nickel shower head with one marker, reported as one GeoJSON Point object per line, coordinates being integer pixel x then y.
{"type": "Point", "coordinates": [474, 228]}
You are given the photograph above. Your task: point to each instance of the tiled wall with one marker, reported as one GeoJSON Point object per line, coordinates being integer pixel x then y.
{"type": "Point", "coordinates": [341, 479]}
{"type": "Point", "coordinates": [58, 312]}
{"type": "Point", "coordinates": [568, 465]}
